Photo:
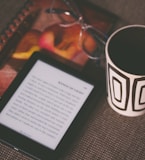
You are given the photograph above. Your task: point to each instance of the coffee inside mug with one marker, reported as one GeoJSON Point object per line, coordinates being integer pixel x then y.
{"type": "Point", "coordinates": [126, 49]}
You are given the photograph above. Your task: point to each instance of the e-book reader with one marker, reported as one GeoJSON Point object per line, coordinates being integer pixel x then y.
{"type": "Point", "coordinates": [43, 107]}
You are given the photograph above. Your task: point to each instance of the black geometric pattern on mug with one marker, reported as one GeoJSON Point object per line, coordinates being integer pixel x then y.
{"type": "Point", "coordinates": [138, 94]}
{"type": "Point", "coordinates": [118, 87]}
{"type": "Point", "coordinates": [116, 82]}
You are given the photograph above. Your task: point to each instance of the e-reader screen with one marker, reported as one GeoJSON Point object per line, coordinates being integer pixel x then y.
{"type": "Point", "coordinates": [45, 104]}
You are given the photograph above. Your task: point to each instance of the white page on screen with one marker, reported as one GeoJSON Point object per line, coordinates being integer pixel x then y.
{"type": "Point", "coordinates": [45, 104]}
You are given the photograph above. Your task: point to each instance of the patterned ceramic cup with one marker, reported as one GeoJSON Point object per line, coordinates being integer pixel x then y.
{"type": "Point", "coordinates": [125, 72]}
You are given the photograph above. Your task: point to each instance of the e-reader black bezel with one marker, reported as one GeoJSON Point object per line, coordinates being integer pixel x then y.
{"type": "Point", "coordinates": [29, 146]}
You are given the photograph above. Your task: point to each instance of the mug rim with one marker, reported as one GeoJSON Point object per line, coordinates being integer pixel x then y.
{"type": "Point", "coordinates": [111, 37]}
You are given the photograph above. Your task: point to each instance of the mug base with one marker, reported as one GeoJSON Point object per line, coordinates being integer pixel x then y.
{"type": "Point", "coordinates": [127, 113]}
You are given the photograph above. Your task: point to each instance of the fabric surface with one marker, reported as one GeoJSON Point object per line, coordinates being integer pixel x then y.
{"type": "Point", "coordinates": [110, 136]}
{"type": "Point", "coordinates": [9, 11]}
{"type": "Point", "coordinates": [106, 134]}
{"type": "Point", "coordinates": [131, 12]}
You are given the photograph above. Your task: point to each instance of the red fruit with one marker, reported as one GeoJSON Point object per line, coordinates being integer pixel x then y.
{"type": "Point", "coordinates": [46, 41]}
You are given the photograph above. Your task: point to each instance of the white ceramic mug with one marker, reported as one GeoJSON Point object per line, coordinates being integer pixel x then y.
{"type": "Point", "coordinates": [125, 71]}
